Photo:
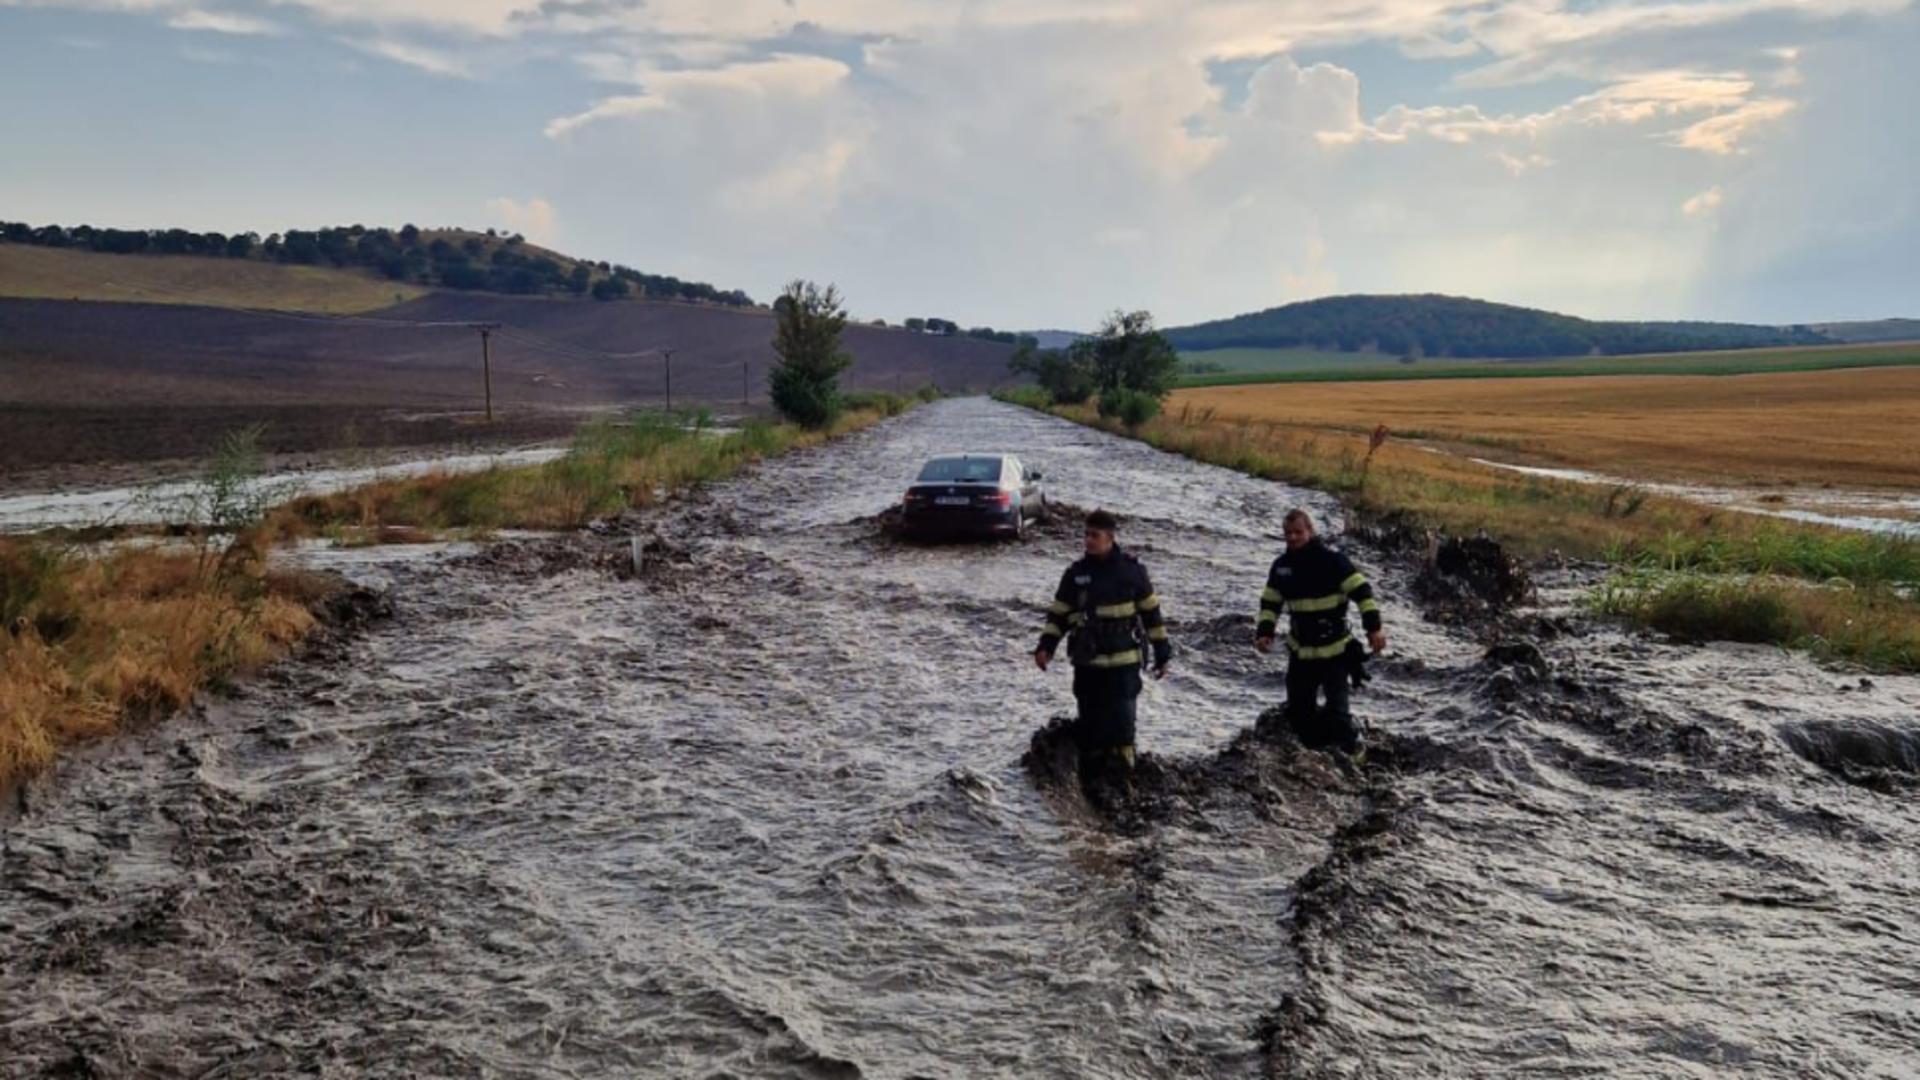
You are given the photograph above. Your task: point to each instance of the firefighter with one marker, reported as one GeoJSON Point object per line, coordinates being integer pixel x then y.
{"type": "Point", "coordinates": [1106, 609]}
{"type": "Point", "coordinates": [1314, 584]}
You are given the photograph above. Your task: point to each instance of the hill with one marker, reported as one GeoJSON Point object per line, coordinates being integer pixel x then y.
{"type": "Point", "coordinates": [1871, 331]}
{"type": "Point", "coordinates": [447, 258]}
{"type": "Point", "coordinates": [1434, 326]}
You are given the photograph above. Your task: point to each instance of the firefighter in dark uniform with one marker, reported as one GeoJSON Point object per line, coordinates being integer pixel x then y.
{"type": "Point", "coordinates": [1107, 610]}
{"type": "Point", "coordinates": [1313, 584]}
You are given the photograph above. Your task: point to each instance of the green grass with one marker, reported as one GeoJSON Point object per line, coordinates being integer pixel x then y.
{"type": "Point", "coordinates": [1239, 361]}
{"type": "Point", "coordinates": [1291, 365]}
{"type": "Point", "coordinates": [1877, 629]}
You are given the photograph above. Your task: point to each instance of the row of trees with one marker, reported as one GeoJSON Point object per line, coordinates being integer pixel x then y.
{"type": "Point", "coordinates": [1129, 366]}
{"type": "Point", "coordinates": [949, 328]}
{"type": "Point", "coordinates": [493, 262]}
{"type": "Point", "coordinates": [1461, 327]}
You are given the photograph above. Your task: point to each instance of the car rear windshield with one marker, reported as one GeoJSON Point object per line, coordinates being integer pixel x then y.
{"type": "Point", "coordinates": [961, 471]}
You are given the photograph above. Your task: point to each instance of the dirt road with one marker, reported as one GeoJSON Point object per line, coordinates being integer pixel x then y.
{"type": "Point", "coordinates": [761, 812]}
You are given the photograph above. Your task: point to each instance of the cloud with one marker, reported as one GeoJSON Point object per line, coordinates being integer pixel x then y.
{"type": "Point", "coordinates": [1049, 159]}
{"type": "Point", "coordinates": [1723, 134]}
{"type": "Point", "coordinates": [1703, 204]}
{"type": "Point", "coordinates": [431, 61]}
{"type": "Point", "coordinates": [224, 22]}
{"type": "Point", "coordinates": [533, 219]}
{"type": "Point", "coordinates": [780, 77]}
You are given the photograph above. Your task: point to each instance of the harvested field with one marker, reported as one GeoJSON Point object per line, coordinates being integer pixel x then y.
{"type": "Point", "coordinates": [37, 273]}
{"type": "Point", "coordinates": [1851, 428]}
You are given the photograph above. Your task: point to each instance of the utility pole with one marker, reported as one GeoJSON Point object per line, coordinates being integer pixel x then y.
{"type": "Point", "coordinates": [669, 355]}
{"type": "Point", "coordinates": [746, 384]}
{"type": "Point", "coordinates": [486, 360]}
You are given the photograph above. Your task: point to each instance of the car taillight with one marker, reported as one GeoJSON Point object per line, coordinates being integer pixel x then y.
{"type": "Point", "coordinates": [998, 498]}
{"type": "Point", "coordinates": [911, 496]}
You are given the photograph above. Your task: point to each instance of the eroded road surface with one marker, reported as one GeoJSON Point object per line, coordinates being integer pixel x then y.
{"type": "Point", "coordinates": [761, 812]}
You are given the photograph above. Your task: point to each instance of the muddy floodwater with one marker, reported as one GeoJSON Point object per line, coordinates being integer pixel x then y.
{"type": "Point", "coordinates": [760, 811]}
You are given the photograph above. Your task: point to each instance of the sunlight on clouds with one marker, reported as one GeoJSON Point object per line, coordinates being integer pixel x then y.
{"type": "Point", "coordinates": [778, 77]}
{"type": "Point", "coordinates": [1702, 204]}
{"type": "Point", "coordinates": [1723, 134]}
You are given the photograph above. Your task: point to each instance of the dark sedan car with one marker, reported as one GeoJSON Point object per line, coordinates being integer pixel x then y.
{"type": "Point", "coordinates": [972, 495]}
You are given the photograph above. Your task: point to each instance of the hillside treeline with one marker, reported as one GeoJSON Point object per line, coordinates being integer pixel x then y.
{"type": "Point", "coordinates": [1434, 326]}
{"type": "Point", "coordinates": [491, 263]}
{"type": "Point", "coordinates": [949, 328]}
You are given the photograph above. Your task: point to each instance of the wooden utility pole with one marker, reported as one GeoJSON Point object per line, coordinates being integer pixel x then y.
{"type": "Point", "coordinates": [746, 384]}
{"type": "Point", "coordinates": [486, 360]}
{"type": "Point", "coordinates": [669, 355]}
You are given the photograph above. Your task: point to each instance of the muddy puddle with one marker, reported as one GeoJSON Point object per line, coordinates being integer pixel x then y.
{"type": "Point", "coordinates": [776, 803]}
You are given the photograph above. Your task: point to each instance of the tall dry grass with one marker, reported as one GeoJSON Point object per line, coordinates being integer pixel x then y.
{"type": "Point", "coordinates": [92, 643]}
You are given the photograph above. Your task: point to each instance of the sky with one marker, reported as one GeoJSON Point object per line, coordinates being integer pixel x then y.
{"type": "Point", "coordinates": [1025, 163]}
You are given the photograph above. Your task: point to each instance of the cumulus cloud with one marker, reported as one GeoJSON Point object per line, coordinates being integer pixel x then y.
{"type": "Point", "coordinates": [1049, 159]}
{"type": "Point", "coordinates": [533, 218]}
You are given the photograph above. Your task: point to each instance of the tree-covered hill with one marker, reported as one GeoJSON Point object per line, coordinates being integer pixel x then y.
{"type": "Point", "coordinates": [438, 258]}
{"type": "Point", "coordinates": [1433, 325]}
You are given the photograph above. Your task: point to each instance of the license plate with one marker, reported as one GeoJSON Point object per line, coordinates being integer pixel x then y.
{"type": "Point", "coordinates": [952, 500]}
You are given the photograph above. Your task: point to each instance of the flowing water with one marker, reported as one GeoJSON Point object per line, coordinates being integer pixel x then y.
{"type": "Point", "coordinates": [761, 811]}
{"type": "Point", "coordinates": [184, 501]}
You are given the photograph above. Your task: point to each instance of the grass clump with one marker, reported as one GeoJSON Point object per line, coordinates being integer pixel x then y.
{"type": "Point", "coordinates": [1875, 628]}
{"type": "Point", "coordinates": [90, 643]}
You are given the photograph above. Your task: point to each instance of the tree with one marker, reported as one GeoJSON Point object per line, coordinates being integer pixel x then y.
{"type": "Point", "coordinates": [1064, 375]}
{"type": "Point", "coordinates": [916, 324]}
{"type": "Point", "coordinates": [1129, 354]}
{"type": "Point", "coordinates": [805, 382]}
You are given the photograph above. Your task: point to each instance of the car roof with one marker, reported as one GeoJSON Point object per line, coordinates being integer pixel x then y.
{"type": "Point", "coordinates": [963, 457]}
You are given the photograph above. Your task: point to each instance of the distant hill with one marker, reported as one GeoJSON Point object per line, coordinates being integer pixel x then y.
{"type": "Point", "coordinates": [1432, 325]}
{"type": "Point", "coordinates": [455, 259]}
{"type": "Point", "coordinates": [1863, 333]}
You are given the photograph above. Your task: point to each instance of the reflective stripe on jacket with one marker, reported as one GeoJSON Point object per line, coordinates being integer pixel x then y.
{"type": "Point", "coordinates": [1110, 608]}
{"type": "Point", "coordinates": [1313, 586]}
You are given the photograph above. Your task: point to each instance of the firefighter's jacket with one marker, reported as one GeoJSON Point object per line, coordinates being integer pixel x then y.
{"type": "Point", "coordinates": [1313, 587]}
{"type": "Point", "coordinates": [1109, 607]}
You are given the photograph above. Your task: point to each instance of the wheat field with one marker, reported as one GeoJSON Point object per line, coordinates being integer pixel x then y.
{"type": "Point", "coordinates": [1844, 428]}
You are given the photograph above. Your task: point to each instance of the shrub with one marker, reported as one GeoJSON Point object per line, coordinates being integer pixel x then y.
{"type": "Point", "coordinates": [1130, 407]}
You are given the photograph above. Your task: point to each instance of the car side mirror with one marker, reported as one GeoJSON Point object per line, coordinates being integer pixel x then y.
{"type": "Point", "coordinates": [1035, 476]}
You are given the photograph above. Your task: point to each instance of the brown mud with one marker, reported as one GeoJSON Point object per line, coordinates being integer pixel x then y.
{"type": "Point", "coordinates": [755, 804]}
